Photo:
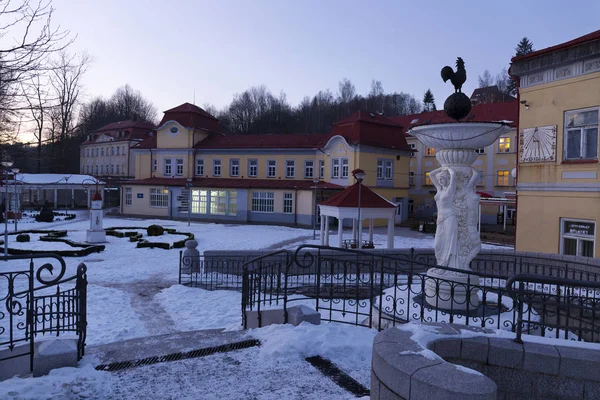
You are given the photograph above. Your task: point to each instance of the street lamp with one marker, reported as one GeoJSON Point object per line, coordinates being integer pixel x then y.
{"type": "Point", "coordinates": [188, 185]}
{"type": "Point", "coordinates": [16, 209]}
{"type": "Point", "coordinates": [359, 175]}
{"type": "Point", "coordinates": [316, 182]}
{"type": "Point", "coordinates": [6, 165]}
{"type": "Point", "coordinates": [66, 196]}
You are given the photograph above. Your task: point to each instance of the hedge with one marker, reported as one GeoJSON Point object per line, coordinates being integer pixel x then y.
{"type": "Point", "coordinates": [143, 243]}
{"type": "Point", "coordinates": [55, 236]}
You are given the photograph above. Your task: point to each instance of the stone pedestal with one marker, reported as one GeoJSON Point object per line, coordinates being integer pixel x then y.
{"type": "Point", "coordinates": [96, 233]}
{"type": "Point", "coordinates": [447, 290]}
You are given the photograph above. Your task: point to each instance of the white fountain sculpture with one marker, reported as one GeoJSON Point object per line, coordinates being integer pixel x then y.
{"type": "Point", "coordinates": [457, 239]}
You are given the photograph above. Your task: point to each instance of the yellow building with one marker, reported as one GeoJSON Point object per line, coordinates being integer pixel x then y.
{"type": "Point", "coordinates": [558, 192]}
{"type": "Point", "coordinates": [261, 178]}
{"type": "Point", "coordinates": [495, 163]}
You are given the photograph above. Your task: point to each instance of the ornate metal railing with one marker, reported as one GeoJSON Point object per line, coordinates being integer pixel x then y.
{"type": "Point", "coordinates": [364, 288]}
{"type": "Point", "coordinates": [38, 304]}
{"type": "Point", "coordinates": [556, 307]}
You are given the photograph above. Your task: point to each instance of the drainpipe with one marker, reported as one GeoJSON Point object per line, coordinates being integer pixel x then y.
{"type": "Point", "coordinates": [517, 85]}
{"type": "Point", "coordinates": [296, 207]}
{"type": "Point", "coordinates": [151, 163]}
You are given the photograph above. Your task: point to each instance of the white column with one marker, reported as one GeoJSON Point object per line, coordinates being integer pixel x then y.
{"type": "Point", "coordinates": [504, 215]}
{"type": "Point", "coordinates": [322, 230]}
{"type": "Point", "coordinates": [89, 196]}
{"type": "Point", "coordinates": [390, 233]}
{"type": "Point", "coordinates": [353, 228]}
{"type": "Point", "coordinates": [371, 229]}
{"type": "Point", "coordinates": [55, 198]}
{"type": "Point", "coordinates": [327, 230]}
{"type": "Point", "coordinates": [72, 198]}
{"type": "Point", "coordinates": [340, 228]}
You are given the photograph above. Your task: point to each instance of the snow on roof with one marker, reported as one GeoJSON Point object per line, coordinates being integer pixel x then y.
{"type": "Point", "coordinates": [65, 179]}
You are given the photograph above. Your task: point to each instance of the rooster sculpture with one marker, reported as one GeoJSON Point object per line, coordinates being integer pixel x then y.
{"type": "Point", "coordinates": [457, 78]}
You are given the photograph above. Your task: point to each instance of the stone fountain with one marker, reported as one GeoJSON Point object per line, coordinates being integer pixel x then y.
{"type": "Point", "coordinates": [457, 239]}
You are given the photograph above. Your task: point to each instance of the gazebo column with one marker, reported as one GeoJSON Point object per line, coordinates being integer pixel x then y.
{"type": "Point", "coordinates": [72, 198]}
{"type": "Point", "coordinates": [89, 196]}
{"type": "Point", "coordinates": [327, 230]}
{"type": "Point", "coordinates": [340, 229]}
{"type": "Point", "coordinates": [371, 230]}
{"type": "Point", "coordinates": [390, 233]}
{"type": "Point", "coordinates": [55, 198]}
{"type": "Point", "coordinates": [359, 241]}
{"type": "Point", "coordinates": [322, 230]}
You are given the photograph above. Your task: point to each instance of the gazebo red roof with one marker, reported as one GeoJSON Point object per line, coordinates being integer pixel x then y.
{"type": "Point", "coordinates": [349, 198]}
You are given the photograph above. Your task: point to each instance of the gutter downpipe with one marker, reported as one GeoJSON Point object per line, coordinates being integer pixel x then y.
{"type": "Point", "coordinates": [517, 81]}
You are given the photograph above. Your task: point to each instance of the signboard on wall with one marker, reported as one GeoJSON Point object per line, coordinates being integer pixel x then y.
{"type": "Point", "coordinates": [140, 195]}
{"type": "Point", "coordinates": [579, 228]}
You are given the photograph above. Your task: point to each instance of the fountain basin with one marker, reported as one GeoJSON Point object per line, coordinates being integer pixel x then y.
{"type": "Point", "coordinates": [459, 135]}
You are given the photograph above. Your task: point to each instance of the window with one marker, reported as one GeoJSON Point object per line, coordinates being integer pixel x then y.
{"type": "Point", "coordinates": [234, 167]}
{"type": "Point", "coordinates": [309, 168]}
{"type": "Point", "coordinates": [179, 170]}
{"type": "Point", "coordinates": [200, 166]}
{"type": "Point", "coordinates": [581, 136]}
{"type": "Point", "coordinates": [168, 169]}
{"type": "Point", "coordinates": [321, 169]}
{"type": "Point", "coordinates": [411, 206]}
{"type": "Point", "coordinates": [389, 170]}
{"type": "Point", "coordinates": [96, 170]}
{"type": "Point", "coordinates": [344, 167]}
{"type": "Point", "coordinates": [216, 167]}
{"type": "Point", "coordinates": [430, 151]}
{"type": "Point", "coordinates": [504, 145]}
{"type": "Point", "coordinates": [159, 198]}
{"type": "Point", "coordinates": [102, 151]}
{"type": "Point", "coordinates": [428, 179]}
{"type": "Point", "coordinates": [123, 150]}
{"type": "Point", "coordinates": [128, 197]}
{"type": "Point", "coordinates": [481, 179]}
{"type": "Point", "coordinates": [112, 169]}
{"type": "Point", "coordinates": [480, 151]}
{"type": "Point", "coordinates": [502, 178]}
{"type": "Point", "coordinates": [411, 178]}
{"type": "Point", "coordinates": [253, 168]}
{"type": "Point", "coordinates": [112, 151]}
{"type": "Point", "coordinates": [117, 169]}
{"type": "Point", "coordinates": [102, 169]}
{"type": "Point", "coordinates": [218, 202]}
{"type": "Point", "coordinates": [577, 237]}
{"type": "Point", "coordinates": [288, 203]}
{"type": "Point", "coordinates": [154, 165]}
{"type": "Point", "coordinates": [335, 167]}
{"type": "Point", "coordinates": [413, 146]}
{"type": "Point", "coordinates": [290, 168]}
{"type": "Point", "coordinates": [271, 168]}
{"type": "Point", "coordinates": [118, 150]}
{"type": "Point", "coordinates": [199, 201]}
{"type": "Point", "coordinates": [263, 202]}
{"type": "Point", "coordinates": [379, 169]}
{"type": "Point", "coordinates": [87, 152]}
{"type": "Point", "coordinates": [232, 202]}
{"type": "Point", "coordinates": [123, 169]}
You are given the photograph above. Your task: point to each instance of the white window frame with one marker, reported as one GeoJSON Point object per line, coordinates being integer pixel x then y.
{"type": "Point", "coordinates": [117, 169]}
{"type": "Point", "coordinates": [504, 142]}
{"type": "Point", "coordinates": [199, 166]}
{"type": "Point", "coordinates": [290, 168]}
{"type": "Point", "coordinates": [577, 236]}
{"type": "Point", "coordinates": [380, 169]}
{"type": "Point", "coordinates": [154, 165]}
{"type": "Point", "coordinates": [411, 178]}
{"type": "Point", "coordinates": [167, 167]}
{"type": "Point", "coordinates": [219, 202]}
{"type": "Point", "coordinates": [429, 152]}
{"type": "Point", "coordinates": [253, 168]}
{"type": "Point", "coordinates": [118, 150]}
{"type": "Point", "coordinates": [335, 168]}
{"type": "Point", "coordinates": [389, 170]}
{"type": "Point", "coordinates": [200, 201]}
{"type": "Point", "coordinates": [503, 175]}
{"type": "Point", "coordinates": [480, 151]}
{"type": "Point", "coordinates": [428, 181]}
{"type": "Point", "coordinates": [321, 169]}
{"type": "Point", "coordinates": [179, 167]}
{"type": "Point", "coordinates": [344, 170]}
{"type": "Point", "coordinates": [288, 203]}
{"type": "Point", "coordinates": [309, 169]}
{"type": "Point", "coordinates": [159, 198]}
{"type": "Point", "coordinates": [216, 167]}
{"type": "Point", "coordinates": [271, 164]}
{"type": "Point", "coordinates": [413, 146]}
{"type": "Point", "coordinates": [583, 137]}
{"type": "Point", "coordinates": [263, 202]}
{"type": "Point", "coordinates": [128, 197]}
{"type": "Point", "coordinates": [234, 167]}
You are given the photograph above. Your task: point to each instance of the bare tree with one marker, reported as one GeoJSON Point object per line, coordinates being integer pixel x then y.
{"type": "Point", "coordinates": [376, 96]}
{"type": "Point", "coordinates": [36, 96]}
{"type": "Point", "coordinates": [486, 79]}
{"type": "Point", "coordinates": [346, 93]}
{"type": "Point", "coordinates": [128, 103]}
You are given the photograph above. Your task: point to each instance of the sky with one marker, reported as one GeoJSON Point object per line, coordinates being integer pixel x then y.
{"type": "Point", "coordinates": [207, 51]}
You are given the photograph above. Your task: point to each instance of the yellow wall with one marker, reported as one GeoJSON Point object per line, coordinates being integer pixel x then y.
{"type": "Point", "coordinates": [142, 206]}
{"type": "Point", "coordinates": [184, 138]}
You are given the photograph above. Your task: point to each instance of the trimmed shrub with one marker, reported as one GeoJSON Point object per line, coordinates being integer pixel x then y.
{"type": "Point", "coordinates": [181, 243]}
{"type": "Point", "coordinates": [155, 230]}
{"type": "Point", "coordinates": [118, 234]}
{"type": "Point", "coordinates": [23, 238]}
{"type": "Point", "coordinates": [46, 214]}
{"type": "Point", "coordinates": [145, 244]}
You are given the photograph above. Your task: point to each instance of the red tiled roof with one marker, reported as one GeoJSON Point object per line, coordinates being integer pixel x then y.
{"type": "Point", "coordinates": [582, 39]}
{"type": "Point", "coordinates": [236, 183]}
{"type": "Point", "coordinates": [275, 141]}
{"type": "Point", "coordinates": [133, 130]}
{"type": "Point", "coordinates": [148, 143]}
{"type": "Point", "coordinates": [349, 198]}
{"type": "Point", "coordinates": [121, 125]}
{"type": "Point", "coordinates": [366, 116]}
{"type": "Point", "coordinates": [192, 116]}
{"type": "Point", "coordinates": [505, 111]}
{"type": "Point", "coordinates": [371, 129]}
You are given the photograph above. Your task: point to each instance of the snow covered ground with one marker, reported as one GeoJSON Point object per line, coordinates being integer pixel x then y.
{"type": "Point", "coordinates": [134, 293]}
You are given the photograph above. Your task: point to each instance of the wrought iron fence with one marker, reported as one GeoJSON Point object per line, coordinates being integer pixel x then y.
{"type": "Point", "coordinates": [36, 304]}
{"type": "Point", "coordinates": [362, 288]}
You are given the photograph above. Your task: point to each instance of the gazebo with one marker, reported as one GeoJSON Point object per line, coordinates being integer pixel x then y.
{"type": "Point", "coordinates": [345, 205]}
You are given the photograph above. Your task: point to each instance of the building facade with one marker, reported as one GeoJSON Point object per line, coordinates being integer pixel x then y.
{"type": "Point", "coordinates": [106, 153]}
{"type": "Point", "coordinates": [190, 170]}
{"type": "Point", "coordinates": [558, 192]}
{"type": "Point", "coordinates": [495, 163]}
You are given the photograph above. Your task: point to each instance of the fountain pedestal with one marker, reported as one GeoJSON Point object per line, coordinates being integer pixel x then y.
{"type": "Point", "coordinates": [457, 239]}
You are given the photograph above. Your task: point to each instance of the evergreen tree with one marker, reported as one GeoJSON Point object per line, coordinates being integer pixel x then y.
{"type": "Point", "coordinates": [429, 101]}
{"type": "Point", "coordinates": [525, 46]}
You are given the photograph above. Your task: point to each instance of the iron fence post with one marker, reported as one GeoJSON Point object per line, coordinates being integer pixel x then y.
{"type": "Point", "coordinates": [520, 312]}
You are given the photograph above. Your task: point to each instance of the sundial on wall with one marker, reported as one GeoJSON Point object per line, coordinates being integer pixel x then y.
{"type": "Point", "coordinates": [537, 144]}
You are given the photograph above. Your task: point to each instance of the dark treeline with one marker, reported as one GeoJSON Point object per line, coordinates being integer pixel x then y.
{"type": "Point", "coordinates": [257, 110]}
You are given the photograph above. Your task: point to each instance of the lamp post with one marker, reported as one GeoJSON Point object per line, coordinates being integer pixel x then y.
{"type": "Point", "coordinates": [316, 182]}
{"type": "Point", "coordinates": [359, 175]}
{"type": "Point", "coordinates": [66, 195]}
{"type": "Point", "coordinates": [6, 165]}
{"type": "Point", "coordinates": [16, 209]}
{"type": "Point", "coordinates": [189, 189]}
